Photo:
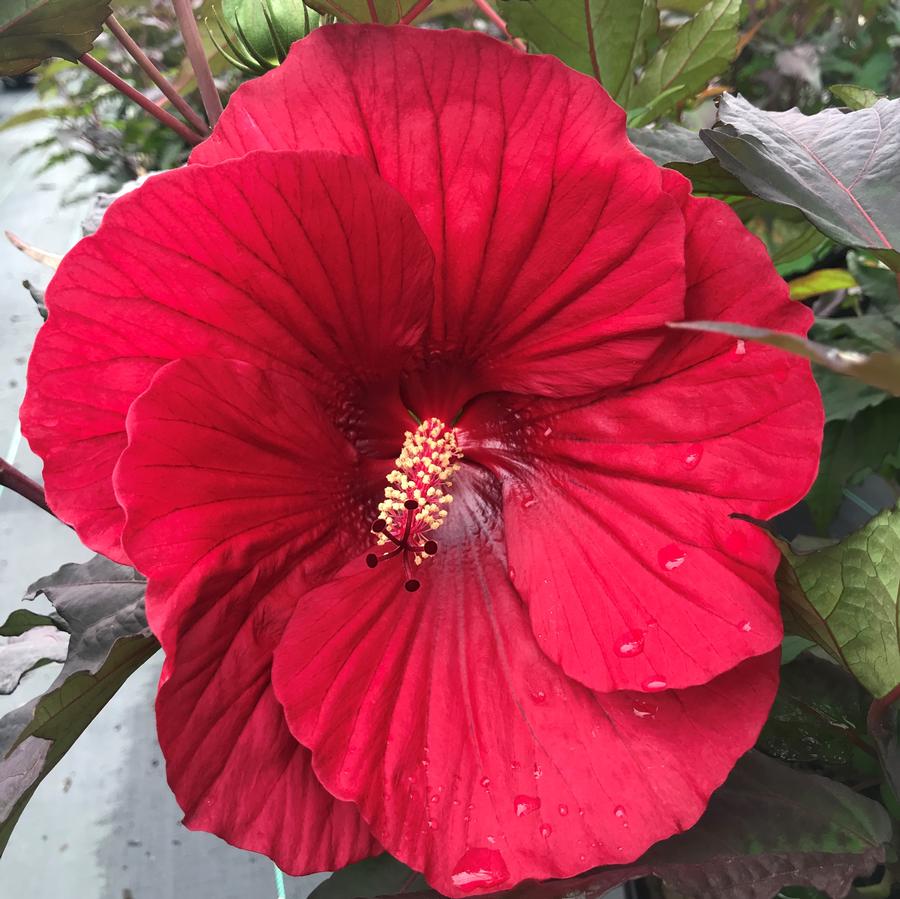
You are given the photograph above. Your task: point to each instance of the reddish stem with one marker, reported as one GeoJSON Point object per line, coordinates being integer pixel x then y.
{"type": "Point", "coordinates": [592, 44]}
{"type": "Point", "coordinates": [154, 74]}
{"type": "Point", "coordinates": [11, 477]}
{"type": "Point", "coordinates": [415, 12]}
{"type": "Point", "coordinates": [123, 87]}
{"type": "Point", "coordinates": [878, 712]}
{"type": "Point", "coordinates": [499, 21]}
{"type": "Point", "coordinates": [373, 12]}
{"type": "Point", "coordinates": [190, 34]}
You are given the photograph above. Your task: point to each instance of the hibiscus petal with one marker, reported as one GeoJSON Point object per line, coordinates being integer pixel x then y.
{"type": "Point", "coordinates": [234, 485]}
{"type": "Point", "coordinates": [649, 577]}
{"type": "Point", "coordinates": [469, 752]}
{"type": "Point", "coordinates": [644, 482]}
{"type": "Point", "coordinates": [303, 262]}
{"type": "Point", "coordinates": [557, 250]}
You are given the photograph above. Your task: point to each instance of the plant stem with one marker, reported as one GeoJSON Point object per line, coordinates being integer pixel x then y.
{"type": "Point", "coordinates": [878, 712]}
{"type": "Point", "coordinates": [123, 87]}
{"type": "Point", "coordinates": [415, 12]}
{"type": "Point", "coordinates": [373, 12]}
{"type": "Point", "coordinates": [190, 34]}
{"type": "Point", "coordinates": [12, 478]}
{"type": "Point", "coordinates": [499, 21]}
{"type": "Point", "coordinates": [154, 74]}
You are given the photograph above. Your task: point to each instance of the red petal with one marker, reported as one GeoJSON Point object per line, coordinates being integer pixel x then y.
{"type": "Point", "coordinates": [303, 262]}
{"type": "Point", "coordinates": [556, 249]}
{"type": "Point", "coordinates": [230, 467]}
{"type": "Point", "coordinates": [233, 483]}
{"type": "Point", "coordinates": [440, 716]}
{"type": "Point", "coordinates": [621, 535]}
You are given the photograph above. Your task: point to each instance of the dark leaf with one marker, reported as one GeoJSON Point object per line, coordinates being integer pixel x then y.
{"type": "Point", "coordinates": [34, 30]}
{"type": "Point", "coordinates": [379, 876]}
{"type": "Point", "coordinates": [834, 166]}
{"type": "Point", "coordinates": [102, 605]}
{"type": "Point", "coordinates": [818, 721]}
{"type": "Point", "coordinates": [845, 597]}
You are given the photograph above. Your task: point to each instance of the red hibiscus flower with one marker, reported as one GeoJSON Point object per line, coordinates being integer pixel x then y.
{"type": "Point", "coordinates": [439, 518]}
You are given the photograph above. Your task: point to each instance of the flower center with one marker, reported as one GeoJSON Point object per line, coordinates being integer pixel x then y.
{"type": "Point", "coordinates": [416, 497]}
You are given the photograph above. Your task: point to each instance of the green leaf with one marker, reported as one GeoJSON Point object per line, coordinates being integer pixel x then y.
{"type": "Point", "coordinates": [879, 284]}
{"type": "Point", "coordinates": [854, 96]}
{"type": "Point", "coordinates": [851, 449]}
{"type": "Point", "coordinates": [22, 620]}
{"type": "Point", "coordinates": [698, 50]}
{"type": "Point", "coordinates": [603, 38]}
{"type": "Point", "coordinates": [818, 721]}
{"type": "Point", "coordinates": [879, 369]}
{"type": "Point", "coordinates": [836, 167]}
{"type": "Point", "coordinates": [387, 12]}
{"type": "Point", "coordinates": [823, 280]}
{"type": "Point", "coordinates": [34, 30]}
{"type": "Point", "coordinates": [766, 828]}
{"type": "Point", "coordinates": [845, 597]}
{"type": "Point", "coordinates": [102, 605]}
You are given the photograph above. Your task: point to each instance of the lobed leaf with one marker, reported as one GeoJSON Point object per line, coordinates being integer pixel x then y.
{"type": "Point", "coordinates": [102, 605]}
{"type": "Point", "coordinates": [834, 166]}
{"type": "Point", "coordinates": [34, 30]}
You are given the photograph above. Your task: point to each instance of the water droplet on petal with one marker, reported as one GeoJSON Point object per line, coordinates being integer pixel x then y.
{"type": "Point", "coordinates": [432, 824]}
{"type": "Point", "coordinates": [528, 502]}
{"type": "Point", "coordinates": [435, 798]}
{"type": "Point", "coordinates": [485, 782]}
{"type": "Point", "coordinates": [654, 683]}
{"type": "Point", "coordinates": [526, 804]}
{"type": "Point", "coordinates": [491, 839]}
{"type": "Point", "coordinates": [631, 643]}
{"type": "Point", "coordinates": [515, 765]}
{"type": "Point", "coordinates": [619, 811]}
{"type": "Point", "coordinates": [671, 557]}
{"type": "Point", "coordinates": [581, 858]}
{"type": "Point", "coordinates": [746, 627]}
{"type": "Point", "coordinates": [563, 809]}
{"type": "Point", "coordinates": [538, 772]}
{"type": "Point", "coordinates": [739, 351]}
{"type": "Point", "coordinates": [539, 696]}
{"type": "Point", "coordinates": [546, 830]}
{"type": "Point", "coordinates": [642, 708]}
{"type": "Point", "coordinates": [479, 869]}
{"type": "Point", "coordinates": [692, 456]}
{"type": "Point", "coordinates": [512, 574]}
{"type": "Point", "coordinates": [548, 432]}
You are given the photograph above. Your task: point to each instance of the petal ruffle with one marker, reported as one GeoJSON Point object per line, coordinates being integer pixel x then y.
{"type": "Point", "coordinates": [301, 262]}
{"type": "Point", "coordinates": [647, 578]}
{"type": "Point", "coordinates": [470, 754]}
{"type": "Point", "coordinates": [558, 253]}
{"type": "Point", "coordinates": [234, 486]}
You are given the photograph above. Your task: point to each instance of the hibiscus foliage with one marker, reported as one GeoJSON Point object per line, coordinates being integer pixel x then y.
{"type": "Point", "coordinates": [460, 409]}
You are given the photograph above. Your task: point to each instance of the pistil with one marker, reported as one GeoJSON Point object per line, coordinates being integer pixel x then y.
{"type": "Point", "coordinates": [416, 498]}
